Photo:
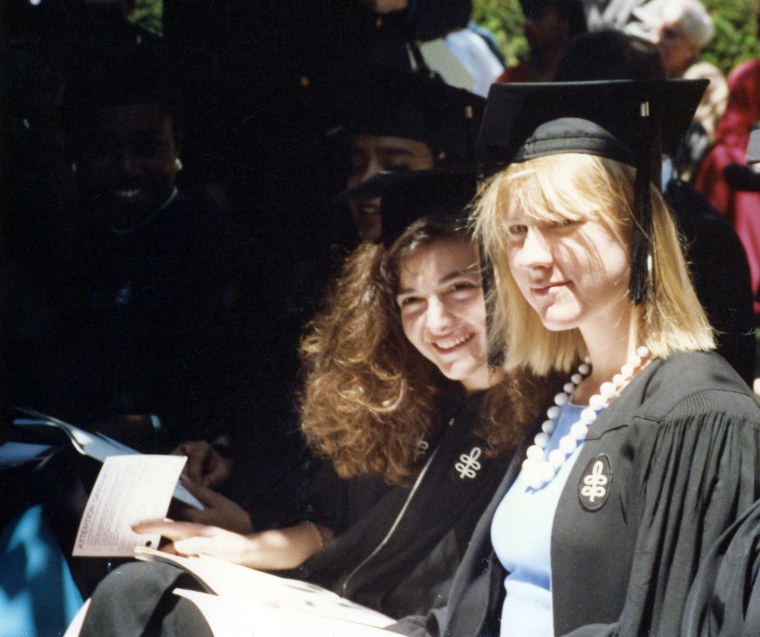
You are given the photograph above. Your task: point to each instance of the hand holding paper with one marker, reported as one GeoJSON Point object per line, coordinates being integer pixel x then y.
{"type": "Point", "coordinates": [128, 489]}
{"type": "Point", "coordinates": [218, 510]}
{"type": "Point", "coordinates": [189, 538]}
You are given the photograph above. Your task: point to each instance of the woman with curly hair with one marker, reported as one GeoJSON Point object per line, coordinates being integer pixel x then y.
{"type": "Point", "coordinates": [400, 398]}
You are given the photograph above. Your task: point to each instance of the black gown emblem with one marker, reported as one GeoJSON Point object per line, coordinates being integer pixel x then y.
{"type": "Point", "coordinates": [594, 487]}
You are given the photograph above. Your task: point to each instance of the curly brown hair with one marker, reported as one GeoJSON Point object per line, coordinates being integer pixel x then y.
{"type": "Point", "coordinates": [369, 396]}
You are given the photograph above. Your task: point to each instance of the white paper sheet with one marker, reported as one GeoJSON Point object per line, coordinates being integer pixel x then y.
{"type": "Point", "coordinates": [129, 489]}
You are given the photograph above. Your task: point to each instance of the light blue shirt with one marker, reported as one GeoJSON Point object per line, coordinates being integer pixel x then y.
{"type": "Point", "coordinates": [521, 536]}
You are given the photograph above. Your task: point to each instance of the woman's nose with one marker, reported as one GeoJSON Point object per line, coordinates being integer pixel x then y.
{"type": "Point", "coordinates": [438, 316]}
{"type": "Point", "coordinates": [535, 251]}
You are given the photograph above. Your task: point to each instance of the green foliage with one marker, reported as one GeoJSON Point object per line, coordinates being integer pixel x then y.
{"type": "Point", "coordinates": [147, 14]}
{"type": "Point", "coordinates": [735, 29]}
{"type": "Point", "coordinates": [505, 19]}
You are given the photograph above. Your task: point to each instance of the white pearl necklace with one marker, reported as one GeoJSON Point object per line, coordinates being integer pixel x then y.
{"type": "Point", "coordinates": [536, 470]}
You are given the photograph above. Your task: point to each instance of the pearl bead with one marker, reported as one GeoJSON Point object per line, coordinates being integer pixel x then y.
{"type": "Point", "coordinates": [541, 440]}
{"type": "Point", "coordinates": [643, 351]}
{"type": "Point", "coordinates": [535, 453]}
{"type": "Point", "coordinates": [568, 444]}
{"type": "Point", "coordinates": [560, 399]}
{"type": "Point", "coordinates": [556, 458]}
{"type": "Point", "coordinates": [596, 401]}
{"type": "Point", "coordinates": [568, 388]}
{"type": "Point", "coordinates": [627, 370]}
{"type": "Point", "coordinates": [579, 430]}
{"type": "Point", "coordinates": [576, 379]}
{"type": "Point", "coordinates": [588, 415]}
{"type": "Point", "coordinates": [552, 412]}
{"type": "Point", "coordinates": [618, 380]}
{"type": "Point", "coordinates": [607, 390]}
{"type": "Point", "coordinates": [547, 426]}
{"type": "Point", "coordinates": [584, 369]}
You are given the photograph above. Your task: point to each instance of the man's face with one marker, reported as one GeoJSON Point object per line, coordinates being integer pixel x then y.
{"type": "Point", "coordinates": [371, 154]}
{"type": "Point", "coordinates": [129, 163]}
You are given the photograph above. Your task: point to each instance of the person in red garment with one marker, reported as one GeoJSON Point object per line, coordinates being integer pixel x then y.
{"type": "Point", "coordinates": [731, 140]}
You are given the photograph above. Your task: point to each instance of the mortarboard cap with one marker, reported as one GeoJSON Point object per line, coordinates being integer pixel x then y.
{"type": "Point", "coordinates": [417, 106]}
{"type": "Point", "coordinates": [408, 196]}
{"type": "Point", "coordinates": [125, 75]}
{"type": "Point", "coordinates": [630, 121]}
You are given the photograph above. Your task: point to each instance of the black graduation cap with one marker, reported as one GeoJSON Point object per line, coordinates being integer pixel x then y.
{"type": "Point", "coordinates": [124, 75]}
{"type": "Point", "coordinates": [417, 106]}
{"type": "Point", "coordinates": [408, 196]}
{"type": "Point", "coordinates": [630, 121]}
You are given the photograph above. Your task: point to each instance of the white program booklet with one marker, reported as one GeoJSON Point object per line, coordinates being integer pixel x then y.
{"type": "Point", "coordinates": [233, 618]}
{"type": "Point", "coordinates": [255, 595]}
{"type": "Point", "coordinates": [129, 489]}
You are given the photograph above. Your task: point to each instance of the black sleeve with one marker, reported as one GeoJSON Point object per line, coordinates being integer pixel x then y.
{"type": "Point", "coordinates": [725, 598]}
{"type": "Point", "coordinates": [703, 470]}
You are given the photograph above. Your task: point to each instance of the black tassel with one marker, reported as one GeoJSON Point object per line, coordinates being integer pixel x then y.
{"type": "Point", "coordinates": [641, 283]}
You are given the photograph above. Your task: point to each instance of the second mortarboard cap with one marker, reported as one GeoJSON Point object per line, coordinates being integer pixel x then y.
{"type": "Point", "coordinates": [625, 120]}
{"type": "Point", "coordinates": [417, 106]}
{"type": "Point", "coordinates": [408, 196]}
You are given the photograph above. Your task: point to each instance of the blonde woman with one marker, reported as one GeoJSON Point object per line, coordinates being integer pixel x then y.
{"type": "Point", "coordinates": [652, 449]}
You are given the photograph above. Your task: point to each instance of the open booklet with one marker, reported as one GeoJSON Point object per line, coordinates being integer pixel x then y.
{"type": "Point", "coordinates": [248, 603]}
{"type": "Point", "coordinates": [92, 444]}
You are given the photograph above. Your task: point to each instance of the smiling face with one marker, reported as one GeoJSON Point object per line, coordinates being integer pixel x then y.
{"type": "Point", "coordinates": [129, 163]}
{"type": "Point", "coordinates": [572, 269]}
{"type": "Point", "coordinates": [371, 154]}
{"type": "Point", "coordinates": [442, 309]}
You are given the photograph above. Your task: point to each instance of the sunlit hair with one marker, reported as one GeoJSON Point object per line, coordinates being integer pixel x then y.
{"type": "Point", "coordinates": [577, 187]}
{"type": "Point", "coordinates": [369, 396]}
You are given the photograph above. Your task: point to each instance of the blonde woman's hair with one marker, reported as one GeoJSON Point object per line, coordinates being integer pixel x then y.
{"type": "Point", "coordinates": [368, 395]}
{"type": "Point", "coordinates": [577, 187]}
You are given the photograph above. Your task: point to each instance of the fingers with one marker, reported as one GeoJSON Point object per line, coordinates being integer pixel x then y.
{"type": "Point", "coordinates": [194, 546]}
{"type": "Point", "coordinates": [198, 453]}
{"type": "Point", "coordinates": [207, 496]}
{"type": "Point", "coordinates": [169, 528]}
{"type": "Point", "coordinates": [218, 472]}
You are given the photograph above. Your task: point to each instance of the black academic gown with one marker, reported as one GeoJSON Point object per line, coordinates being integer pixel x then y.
{"type": "Point", "coordinates": [725, 598]}
{"type": "Point", "coordinates": [681, 445]}
{"type": "Point", "coordinates": [397, 547]}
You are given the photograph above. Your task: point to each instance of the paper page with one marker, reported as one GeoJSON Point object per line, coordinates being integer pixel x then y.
{"type": "Point", "coordinates": [232, 618]}
{"type": "Point", "coordinates": [249, 586]}
{"type": "Point", "coordinates": [129, 489]}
